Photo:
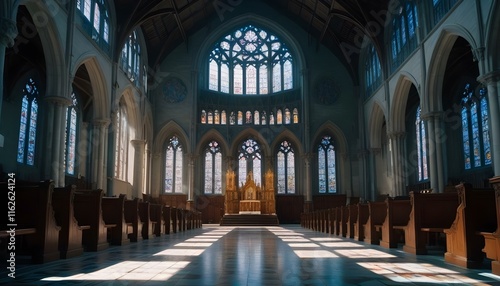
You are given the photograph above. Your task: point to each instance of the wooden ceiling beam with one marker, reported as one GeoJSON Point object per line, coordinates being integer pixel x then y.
{"type": "Point", "coordinates": [179, 23]}
{"type": "Point", "coordinates": [327, 24]}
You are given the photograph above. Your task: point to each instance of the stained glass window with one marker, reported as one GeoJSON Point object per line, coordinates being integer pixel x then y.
{"type": "Point", "coordinates": [263, 119]}
{"type": "Point", "coordinates": [326, 166]}
{"type": "Point", "coordinates": [121, 143]}
{"type": "Point", "coordinates": [223, 117]}
{"type": "Point", "coordinates": [95, 13]}
{"type": "Point", "coordinates": [256, 117]}
{"type": "Point", "coordinates": [249, 159]}
{"type": "Point", "coordinates": [271, 119]}
{"type": "Point", "coordinates": [203, 117]}
{"type": "Point", "coordinates": [373, 74]}
{"type": "Point", "coordinates": [173, 166]}
{"type": "Point", "coordinates": [404, 27]}
{"type": "Point", "coordinates": [213, 169]}
{"type": "Point", "coordinates": [28, 122]}
{"type": "Point", "coordinates": [248, 117]}
{"type": "Point", "coordinates": [71, 125]}
{"type": "Point", "coordinates": [295, 115]}
{"type": "Point", "coordinates": [288, 117]}
{"type": "Point", "coordinates": [285, 169]}
{"type": "Point", "coordinates": [279, 117]}
{"type": "Point", "coordinates": [475, 128]}
{"type": "Point", "coordinates": [131, 59]}
{"type": "Point", "coordinates": [421, 146]}
{"type": "Point", "coordinates": [216, 117]}
{"type": "Point", "coordinates": [250, 51]}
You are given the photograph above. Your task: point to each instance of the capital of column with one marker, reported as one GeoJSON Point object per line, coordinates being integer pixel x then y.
{"type": "Point", "coordinates": [58, 100]}
{"type": "Point", "coordinates": [396, 135]}
{"type": "Point", "coordinates": [101, 122]}
{"type": "Point", "coordinates": [375, 151]}
{"type": "Point", "coordinates": [307, 157]}
{"type": "Point", "coordinates": [363, 153]}
{"type": "Point", "coordinates": [478, 54]}
{"type": "Point", "coordinates": [490, 77]}
{"type": "Point", "coordinates": [191, 158]}
{"type": "Point", "coordinates": [138, 143]}
{"type": "Point", "coordinates": [9, 32]}
{"type": "Point", "coordinates": [431, 115]}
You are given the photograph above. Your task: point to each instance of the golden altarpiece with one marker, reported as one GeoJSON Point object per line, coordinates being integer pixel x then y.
{"type": "Point", "coordinates": [250, 198]}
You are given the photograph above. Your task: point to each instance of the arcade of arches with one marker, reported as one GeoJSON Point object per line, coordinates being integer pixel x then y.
{"type": "Point", "coordinates": [93, 96]}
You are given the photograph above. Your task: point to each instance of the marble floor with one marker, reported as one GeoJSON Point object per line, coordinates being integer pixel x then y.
{"type": "Point", "coordinates": [284, 255]}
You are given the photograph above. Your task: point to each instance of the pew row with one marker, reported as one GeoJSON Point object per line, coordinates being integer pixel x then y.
{"type": "Point", "coordinates": [492, 239]}
{"type": "Point", "coordinates": [476, 213]}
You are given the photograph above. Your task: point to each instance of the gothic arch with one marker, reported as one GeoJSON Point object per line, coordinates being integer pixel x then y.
{"type": "Point", "coordinates": [167, 131]}
{"type": "Point", "coordinates": [399, 100]}
{"type": "Point", "coordinates": [210, 135]}
{"type": "Point", "coordinates": [250, 132]}
{"type": "Point", "coordinates": [339, 137]}
{"type": "Point", "coordinates": [134, 114]}
{"type": "Point", "coordinates": [377, 118]}
{"type": "Point", "coordinates": [431, 100]}
{"type": "Point", "coordinates": [287, 135]}
{"type": "Point", "coordinates": [492, 57]}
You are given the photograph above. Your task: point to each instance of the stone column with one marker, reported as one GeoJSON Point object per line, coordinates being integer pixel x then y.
{"type": "Point", "coordinates": [438, 137]}
{"type": "Point", "coordinates": [8, 33]}
{"type": "Point", "coordinates": [307, 182]}
{"type": "Point", "coordinates": [397, 157]}
{"type": "Point", "coordinates": [139, 146]}
{"type": "Point", "coordinates": [81, 150]}
{"type": "Point", "coordinates": [492, 81]}
{"type": "Point", "coordinates": [55, 139]}
{"type": "Point", "coordinates": [433, 168]}
{"type": "Point", "coordinates": [374, 152]}
{"type": "Point", "coordinates": [156, 175]}
{"type": "Point", "coordinates": [190, 198]}
{"type": "Point", "coordinates": [99, 157]}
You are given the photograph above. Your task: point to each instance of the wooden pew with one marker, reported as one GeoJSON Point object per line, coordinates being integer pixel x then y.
{"type": "Point", "coordinates": [492, 239]}
{"type": "Point", "coordinates": [352, 217]}
{"type": "Point", "coordinates": [476, 213]}
{"type": "Point", "coordinates": [34, 216]}
{"type": "Point", "coordinates": [338, 218]}
{"type": "Point", "coordinates": [377, 211]}
{"type": "Point", "coordinates": [429, 213]}
{"type": "Point", "coordinates": [331, 221]}
{"type": "Point", "coordinates": [167, 221]}
{"type": "Point", "coordinates": [113, 213]}
{"type": "Point", "coordinates": [147, 223]}
{"type": "Point", "coordinates": [157, 218]}
{"type": "Point", "coordinates": [71, 234]}
{"type": "Point", "coordinates": [174, 220]}
{"type": "Point", "coordinates": [131, 208]}
{"type": "Point", "coordinates": [398, 215]}
{"type": "Point", "coordinates": [359, 224]}
{"type": "Point", "coordinates": [344, 213]}
{"type": "Point", "coordinates": [88, 213]}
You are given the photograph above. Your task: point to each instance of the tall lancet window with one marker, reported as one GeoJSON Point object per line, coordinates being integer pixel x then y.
{"type": "Point", "coordinates": [421, 134]}
{"type": "Point", "coordinates": [213, 169]}
{"type": "Point", "coordinates": [250, 60]}
{"type": "Point", "coordinates": [285, 168]}
{"type": "Point", "coordinates": [327, 175]}
{"type": "Point", "coordinates": [27, 128]}
{"type": "Point", "coordinates": [173, 166]}
{"type": "Point", "coordinates": [249, 160]}
{"type": "Point", "coordinates": [475, 128]}
{"type": "Point", "coordinates": [122, 139]}
{"type": "Point", "coordinates": [71, 131]}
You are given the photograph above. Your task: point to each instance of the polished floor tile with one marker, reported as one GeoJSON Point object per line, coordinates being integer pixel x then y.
{"type": "Point", "coordinates": [283, 255]}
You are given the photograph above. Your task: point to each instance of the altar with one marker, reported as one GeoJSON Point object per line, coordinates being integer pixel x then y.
{"type": "Point", "coordinates": [250, 198]}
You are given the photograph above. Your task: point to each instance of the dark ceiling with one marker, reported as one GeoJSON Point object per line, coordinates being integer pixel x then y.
{"type": "Point", "coordinates": [168, 23]}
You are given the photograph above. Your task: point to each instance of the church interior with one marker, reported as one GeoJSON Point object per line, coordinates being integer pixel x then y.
{"type": "Point", "coordinates": [238, 142]}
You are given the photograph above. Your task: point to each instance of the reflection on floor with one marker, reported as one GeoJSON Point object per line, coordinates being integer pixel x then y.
{"type": "Point", "coordinates": [283, 255]}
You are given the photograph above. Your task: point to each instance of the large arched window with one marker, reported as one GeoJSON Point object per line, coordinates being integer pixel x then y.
{"type": "Point", "coordinates": [96, 20]}
{"type": "Point", "coordinates": [423, 173]}
{"type": "Point", "coordinates": [250, 60]}
{"type": "Point", "coordinates": [326, 166]}
{"type": "Point", "coordinates": [27, 128]}
{"type": "Point", "coordinates": [122, 139]}
{"type": "Point", "coordinates": [173, 166]}
{"type": "Point", "coordinates": [373, 71]}
{"type": "Point", "coordinates": [71, 133]}
{"type": "Point", "coordinates": [213, 169]}
{"type": "Point", "coordinates": [475, 128]}
{"type": "Point", "coordinates": [249, 160]}
{"type": "Point", "coordinates": [131, 58]}
{"type": "Point", "coordinates": [404, 33]}
{"type": "Point", "coordinates": [285, 168]}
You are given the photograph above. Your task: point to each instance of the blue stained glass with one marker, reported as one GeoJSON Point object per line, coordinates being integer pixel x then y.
{"type": "Point", "coordinates": [71, 147]}
{"type": "Point", "coordinates": [208, 173]}
{"type": "Point", "coordinates": [425, 171]}
{"type": "Point", "coordinates": [411, 27]}
{"type": "Point", "coordinates": [322, 170]}
{"type": "Point", "coordinates": [281, 173]}
{"type": "Point", "coordinates": [486, 134]}
{"type": "Point", "coordinates": [173, 166]}
{"type": "Point", "coordinates": [22, 130]}
{"type": "Point", "coordinates": [30, 160]}
{"type": "Point", "coordinates": [475, 135]}
{"type": "Point", "coordinates": [403, 32]}
{"type": "Point", "coordinates": [419, 145]}
{"type": "Point", "coordinates": [326, 166]}
{"type": "Point", "coordinates": [465, 139]}
{"type": "Point", "coordinates": [178, 170]}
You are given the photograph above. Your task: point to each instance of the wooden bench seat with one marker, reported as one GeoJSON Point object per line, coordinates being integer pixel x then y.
{"type": "Point", "coordinates": [359, 225]}
{"type": "Point", "coordinates": [398, 214]}
{"type": "Point", "coordinates": [132, 218]}
{"type": "Point", "coordinates": [35, 223]}
{"type": "Point", "coordinates": [492, 239]}
{"type": "Point", "coordinates": [376, 215]}
{"type": "Point", "coordinates": [88, 213]}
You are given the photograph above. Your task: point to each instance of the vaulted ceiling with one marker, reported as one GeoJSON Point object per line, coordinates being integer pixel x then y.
{"type": "Point", "coordinates": [338, 25]}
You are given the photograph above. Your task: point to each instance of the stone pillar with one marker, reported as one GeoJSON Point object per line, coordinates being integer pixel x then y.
{"type": "Point", "coordinates": [191, 173]}
{"type": "Point", "coordinates": [139, 146]}
{"type": "Point", "coordinates": [7, 36]}
{"type": "Point", "coordinates": [99, 157]}
{"type": "Point", "coordinates": [157, 175]}
{"type": "Point", "coordinates": [492, 81]}
{"type": "Point", "coordinates": [307, 182]}
{"type": "Point", "coordinates": [438, 137]}
{"type": "Point", "coordinates": [81, 150]}
{"type": "Point", "coordinates": [397, 158]}
{"type": "Point", "coordinates": [374, 152]}
{"type": "Point", "coordinates": [55, 139]}
{"type": "Point", "coordinates": [433, 168]}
